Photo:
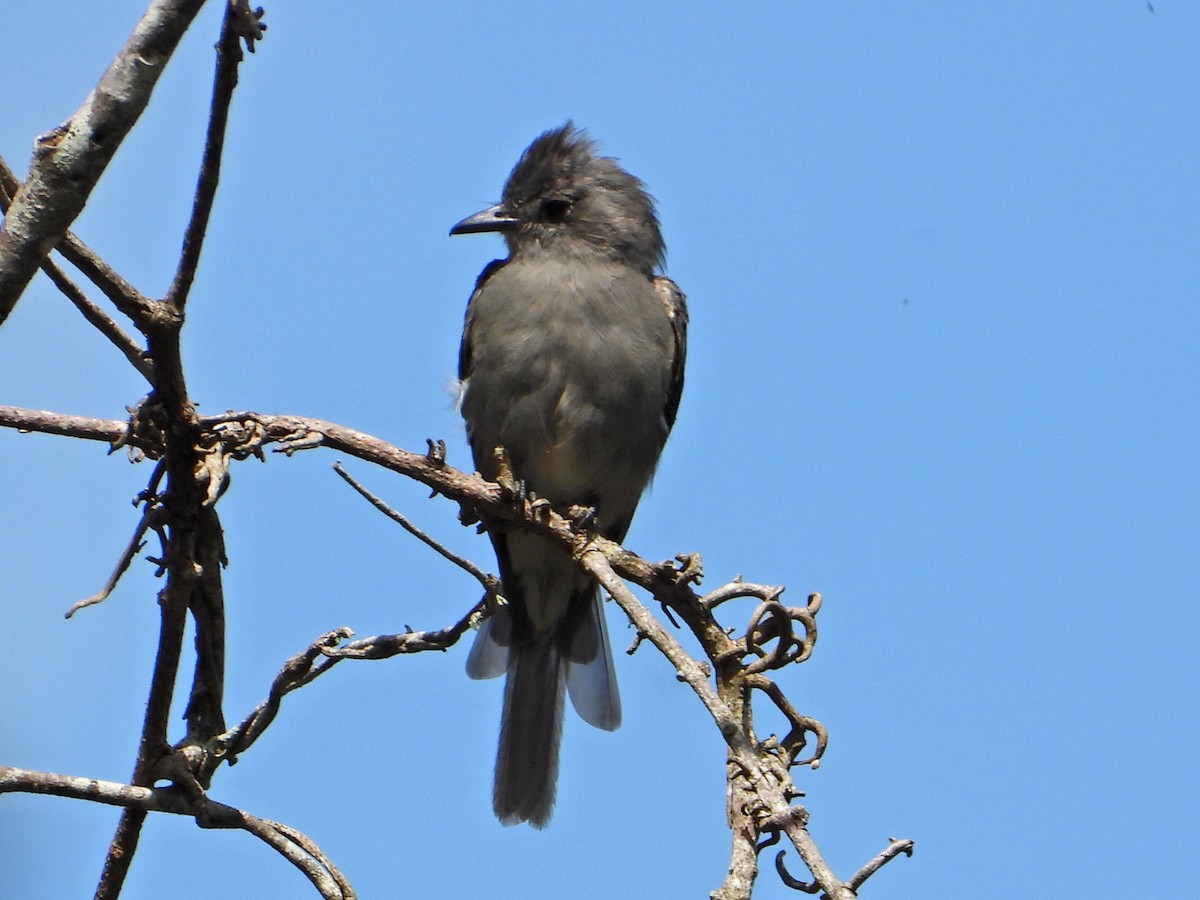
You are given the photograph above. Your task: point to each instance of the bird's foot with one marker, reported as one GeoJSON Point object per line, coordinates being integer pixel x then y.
{"type": "Point", "coordinates": [511, 487]}
{"type": "Point", "coordinates": [436, 454]}
{"type": "Point", "coordinates": [583, 518]}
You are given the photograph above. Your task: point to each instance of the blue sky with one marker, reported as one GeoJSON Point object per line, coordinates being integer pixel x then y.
{"type": "Point", "coordinates": [942, 263]}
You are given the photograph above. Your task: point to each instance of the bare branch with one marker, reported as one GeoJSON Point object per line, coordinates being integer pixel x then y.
{"type": "Point", "coordinates": [112, 793]}
{"type": "Point", "coordinates": [128, 300]}
{"type": "Point", "coordinates": [762, 793]}
{"type": "Point", "coordinates": [124, 296]}
{"type": "Point", "coordinates": [296, 672]}
{"type": "Point", "coordinates": [894, 849]}
{"type": "Point", "coordinates": [490, 583]}
{"type": "Point", "coordinates": [100, 320]}
{"type": "Point", "coordinates": [69, 160]}
{"type": "Point", "coordinates": [238, 18]}
{"type": "Point", "coordinates": [297, 848]}
{"type": "Point", "coordinates": [305, 855]}
{"type": "Point", "coordinates": [388, 645]}
{"type": "Point", "coordinates": [695, 675]}
{"type": "Point", "coordinates": [152, 517]}
{"type": "Point", "coordinates": [743, 866]}
{"type": "Point", "coordinates": [65, 424]}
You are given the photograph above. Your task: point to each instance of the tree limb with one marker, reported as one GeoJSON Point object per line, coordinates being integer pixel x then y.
{"type": "Point", "coordinates": [297, 848]}
{"type": "Point", "coordinates": [240, 23]}
{"type": "Point", "coordinates": [69, 160]}
{"type": "Point", "coordinates": [124, 296]}
{"type": "Point", "coordinates": [762, 793]}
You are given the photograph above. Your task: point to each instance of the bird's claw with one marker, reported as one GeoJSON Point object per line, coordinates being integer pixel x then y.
{"type": "Point", "coordinates": [436, 454]}
{"type": "Point", "coordinates": [582, 517]}
{"type": "Point", "coordinates": [511, 487]}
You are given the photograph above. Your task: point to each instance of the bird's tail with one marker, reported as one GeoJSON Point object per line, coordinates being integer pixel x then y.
{"type": "Point", "coordinates": [530, 732]}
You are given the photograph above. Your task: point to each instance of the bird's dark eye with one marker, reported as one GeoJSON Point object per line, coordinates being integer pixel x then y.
{"type": "Point", "coordinates": [555, 209]}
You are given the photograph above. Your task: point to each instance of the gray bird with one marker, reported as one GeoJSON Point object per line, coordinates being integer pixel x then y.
{"type": "Point", "coordinates": [572, 362]}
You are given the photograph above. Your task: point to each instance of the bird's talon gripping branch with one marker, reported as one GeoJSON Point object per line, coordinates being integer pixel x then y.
{"type": "Point", "coordinates": [583, 518]}
{"type": "Point", "coordinates": [511, 487]}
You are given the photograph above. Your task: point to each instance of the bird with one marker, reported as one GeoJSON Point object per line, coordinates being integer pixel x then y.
{"type": "Point", "coordinates": [572, 364]}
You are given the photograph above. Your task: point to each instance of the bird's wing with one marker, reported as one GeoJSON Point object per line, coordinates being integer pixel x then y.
{"type": "Point", "coordinates": [464, 349]}
{"type": "Point", "coordinates": [675, 304]}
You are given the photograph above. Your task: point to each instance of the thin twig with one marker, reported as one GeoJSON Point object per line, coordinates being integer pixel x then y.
{"type": "Point", "coordinates": [299, 851]}
{"type": "Point", "coordinates": [128, 300]}
{"type": "Point", "coordinates": [388, 645]}
{"type": "Point", "coordinates": [296, 672]}
{"type": "Point", "coordinates": [100, 320]}
{"type": "Point", "coordinates": [894, 849]}
{"type": "Point", "coordinates": [124, 296]}
{"type": "Point", "coordinates": [172, 621]}
{"type": "Point", "coordinates": [150, 518]}
{"type": "Point", "coordinates": [225, 80]}
{"type": "Point", "coordinates": [489, 582]}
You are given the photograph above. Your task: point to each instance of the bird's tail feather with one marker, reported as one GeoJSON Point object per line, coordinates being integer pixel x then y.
{"type": "Point", "coordinates": [591, 677]}
{"type": "Point", "coordinates": [530, 732]}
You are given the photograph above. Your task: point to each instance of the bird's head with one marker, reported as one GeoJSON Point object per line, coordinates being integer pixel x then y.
{"type": "Point", "coordinates": [563, 198]}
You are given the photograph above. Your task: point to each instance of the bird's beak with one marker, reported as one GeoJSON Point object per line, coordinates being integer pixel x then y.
{"type": "Point", "coordinates": [494, 218]}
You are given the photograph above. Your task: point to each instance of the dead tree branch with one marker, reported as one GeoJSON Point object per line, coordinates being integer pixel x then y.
{"type": "Point", "coordinates": [69, 160]}
{"type": "Point", "coordinates": [761, 790]}
{"type": "Point", "coordinates": [241, 24]}
{"type": "Point", "coordinates": [300, 850]}
{"type": "Point", "coordinates": [490, 583]}
{"type": "Point", "coordinates": [196, 476]}
{"type": "Point", "coordinates": [298, 671]}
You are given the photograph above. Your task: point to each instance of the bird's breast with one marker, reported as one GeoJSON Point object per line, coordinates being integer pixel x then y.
{"type": "Point", "coordinates": [569, 372]}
